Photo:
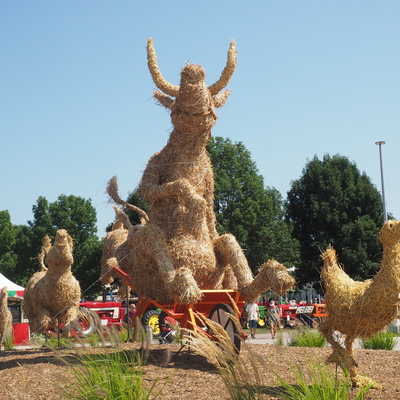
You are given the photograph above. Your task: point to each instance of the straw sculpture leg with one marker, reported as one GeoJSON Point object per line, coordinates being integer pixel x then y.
{"type": "Point", "coordinates": [146, 247]}
{"type": "Point", "coordinates": [272, 274]}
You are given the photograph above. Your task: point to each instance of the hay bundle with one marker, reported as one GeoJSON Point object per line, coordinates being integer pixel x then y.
{"type": "Point", "coordinates": [178, 252]}
{"type": "Point", "coordinates": [361, 309]}
{"type": "Point", "coordinates": [5, 316]}
{"type": "Point", "coordinates": [53, 294]}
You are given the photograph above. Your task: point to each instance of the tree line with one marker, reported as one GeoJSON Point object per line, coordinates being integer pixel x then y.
{"type": "Point", "coordinates": [331, 203]}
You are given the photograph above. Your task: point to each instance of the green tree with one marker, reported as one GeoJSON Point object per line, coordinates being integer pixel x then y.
{"type": "Point", "coordinates": [244, 207]}
{"type": "Point", "coordinates": [78, 217]}
{"type": "Point", "coordinates": [7, 240]}
{"type": "Point", "coordinates": [333, 203]}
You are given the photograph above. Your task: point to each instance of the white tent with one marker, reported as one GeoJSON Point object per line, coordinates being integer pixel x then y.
{"type": "Point", "coordinates": [14, 291]}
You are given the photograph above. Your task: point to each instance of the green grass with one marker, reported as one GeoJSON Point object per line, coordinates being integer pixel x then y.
{"type": "Point", "coordinates": [318, 381]}
{"type": "Point", "coordinates": [307, 337]}
{"type": "Point", "coordinates": [109, 375]}
{"type": "Point", "coordinates": [384, 340]}
{"type": "Point", "coordinates": [244, 376]}
{"type": "Point", "coordinates": [8, 342]}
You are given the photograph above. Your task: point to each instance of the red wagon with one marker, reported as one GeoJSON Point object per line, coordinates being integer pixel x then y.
{"type": "Point", "coordinates": [216, 305]}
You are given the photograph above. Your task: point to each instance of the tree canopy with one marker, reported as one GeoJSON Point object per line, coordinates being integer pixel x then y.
{"type": "Point", "coordinates": [333, 203]}
{"type": "Point", "coordinates": [78, 217]}
{"type": "Point", "coordinates": [244, 207]}
{"type": "Point", "coordinates": [8, 235]}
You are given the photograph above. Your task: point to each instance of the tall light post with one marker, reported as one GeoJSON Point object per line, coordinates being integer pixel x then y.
{"type": "Point", "coordinates": [380, 143]}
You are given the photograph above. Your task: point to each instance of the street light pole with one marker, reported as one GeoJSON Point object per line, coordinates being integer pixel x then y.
{"type": "Point", "coordinates": [380, 143]}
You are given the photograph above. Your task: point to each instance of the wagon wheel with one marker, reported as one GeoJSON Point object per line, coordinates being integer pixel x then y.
{"type": "Point", "coordinates": [88, 322]}
{"type": "Point", "coordinates": [151, 317]}
{"type": "Point", "coordinates": [221, 315]}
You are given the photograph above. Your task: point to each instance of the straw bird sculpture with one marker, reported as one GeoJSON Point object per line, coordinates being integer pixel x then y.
{"type": "Point", "coordinates": [179, 251]}
{"type": "Point", "coordinates": [361, 309]}
{"type": "Point", "coordinates": [5, 316]}
{"type": "Point", "coordinates": [53, 294]}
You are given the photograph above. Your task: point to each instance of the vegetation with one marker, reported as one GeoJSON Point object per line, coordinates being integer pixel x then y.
{"type": "Point", "coordinates": [243, 377]}
{"type": "Point", "coordinates": [333, 203]}
{"type": "Point", "coordinates": [384, 340]}
{"type": "Point", "coordinates": [244, 207]}
{"type": "Point", "coordinates": [317, 382]}
{"type": "Point", "coordinates": [307, 337]}
{"type": "Point", "coordinates": [22, 244]}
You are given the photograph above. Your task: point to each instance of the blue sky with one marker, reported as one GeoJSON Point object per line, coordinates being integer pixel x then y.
{"type": "Point", "coordinates": [76, 103]}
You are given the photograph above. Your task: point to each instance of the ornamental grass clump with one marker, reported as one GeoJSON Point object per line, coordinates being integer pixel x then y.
{"type": "Point", "coordinates": [317, 381]}
{"type": "Point", "coordinates": [307, 337]}
{"type": "Point", "coordinates": [384, 340]}
{"type": "Point", "coordinates": [109, 375]}
{"type": "Point", "coordinates": [244, 374]}
{"type": "Point", "coordinates": [106, 372]}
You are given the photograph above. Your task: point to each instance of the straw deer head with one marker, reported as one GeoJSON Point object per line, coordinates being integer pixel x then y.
{"type": "Point", "coordinates": [192, 103]}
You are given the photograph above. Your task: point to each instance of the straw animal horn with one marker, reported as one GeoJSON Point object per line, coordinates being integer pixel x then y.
{"type": "Point", "coordinates": [172, 90]}
{"type": "Point", "coordinates": [158, 79]}
{"type": "Point", "coordinates": [227, 72]}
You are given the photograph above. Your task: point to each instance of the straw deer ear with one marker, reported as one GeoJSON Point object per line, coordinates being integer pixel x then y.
{"type": "Point", "coordinates": [220, 98]}
{"type": "Point", "coordinates": [163, 99]}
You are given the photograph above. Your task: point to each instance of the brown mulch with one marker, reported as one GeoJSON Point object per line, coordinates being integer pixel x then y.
{"type": "Point", "coordinates": [37, 374]}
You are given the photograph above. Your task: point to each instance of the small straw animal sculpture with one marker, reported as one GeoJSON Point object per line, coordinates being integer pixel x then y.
{"type": "Point", "coordinates": [5, 316]}
{"type": "Point", "coordinates": [178, 252]}
{"type": "Point", "coordinates": [53, 294]}
{"type": "Point", "coordinates": [361, 309]}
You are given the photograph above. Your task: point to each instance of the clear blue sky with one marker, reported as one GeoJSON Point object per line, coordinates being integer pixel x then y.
{"type": "Point", "coordinates": [76, 107]}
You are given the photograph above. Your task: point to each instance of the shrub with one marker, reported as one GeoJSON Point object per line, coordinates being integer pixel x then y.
{"type": "Point", "coordinates": [307, 337]}
{"type": "Point", "coordinates": [384, 340]}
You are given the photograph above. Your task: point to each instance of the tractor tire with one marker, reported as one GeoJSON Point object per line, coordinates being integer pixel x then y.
{"type": "Point", "coordinates": [151, 318]}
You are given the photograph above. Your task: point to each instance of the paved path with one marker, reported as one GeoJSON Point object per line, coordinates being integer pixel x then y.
{"type": "Point", "coordinates": [264, 337]}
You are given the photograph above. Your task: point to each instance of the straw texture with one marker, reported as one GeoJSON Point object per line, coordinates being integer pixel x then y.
{"type": "Point", "coordinates": [53, 293]}
{"type": "Point", "coordinates": [361, 309]}
{"type": "Point", "coordinates": [178, 251]}
{"type": "Point", "coordinates": [5, 316]}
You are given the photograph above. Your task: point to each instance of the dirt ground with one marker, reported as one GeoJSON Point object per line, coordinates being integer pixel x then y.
{"type": "Point", "coordinates": [37, 374]}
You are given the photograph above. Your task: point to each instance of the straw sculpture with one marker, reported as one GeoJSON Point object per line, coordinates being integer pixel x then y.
{"type": "Point", "coordinates": [179, 252]}
{"type": "Point", "coordinates": [52, 294]}
{"type": "Point", "coordinates": [5, 316]}
{"type": "Point", "coordinates": [116, 237]}
{"type": "Point", "coordinates": [361, 309]}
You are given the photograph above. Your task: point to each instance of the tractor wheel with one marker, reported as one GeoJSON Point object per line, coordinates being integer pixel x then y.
{"type": "Point", "coordinates": [151, 318]}
{"type": "Point", "coordinates": [88, 322]}
{"type": "Point", "coordinates": [221, 314]}
{"type": "Point", "coordinates": [261, 323]}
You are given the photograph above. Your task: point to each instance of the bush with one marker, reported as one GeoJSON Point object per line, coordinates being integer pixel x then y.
{"type": "Point", "coordinates": [307, 337]}
{"type": "Point", "coordinates": [384, 340]}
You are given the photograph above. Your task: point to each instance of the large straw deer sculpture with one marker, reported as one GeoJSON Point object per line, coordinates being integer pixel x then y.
{"type": "Point", "coordinates": [5, 316]}
{"type": "Point", "coordinates": [179, 251]}
{"type": "Point", "coordinates": [361, 309]}
{"type": "Point", "coordinates": [52, 294]}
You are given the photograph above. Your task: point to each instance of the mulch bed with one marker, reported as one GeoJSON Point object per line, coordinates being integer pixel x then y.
{"type": "Point", "coordinates": [37, 374]}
